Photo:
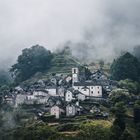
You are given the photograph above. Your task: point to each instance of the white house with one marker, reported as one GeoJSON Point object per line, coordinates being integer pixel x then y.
{"type": "Point", "coordinates": [68, 96]}
{"type": "Point", "coordinates": [42, 100]}
{"type": "Point", "coordinates": [81, 96]}
{"type": "Point", "coordinates": [54, 81]}
{"type": "Point", "coordinates": [31, 97]}
{"type": "Point", "coordinates": [68, 79]}
{"type": "Point", "coordinates": [56, 110]}
{"type": "Point", "coordinates": [70, 110]}
{"type": "Point", "coordinates": [18, 88]}
{"type": "Point", "coordinates": [61, 91]}
{"type": "Point", "coordinates": [20, 99]}
{"type": "Point", "coordinates": [88, 88]}
{"type": "Point", "coordinates": [40, 93]}
{"type": "Point", "coordinates": [52, 91]}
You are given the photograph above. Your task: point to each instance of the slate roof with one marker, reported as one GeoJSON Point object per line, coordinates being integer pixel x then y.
{"type": "Point", "coordinates": [87, 84]}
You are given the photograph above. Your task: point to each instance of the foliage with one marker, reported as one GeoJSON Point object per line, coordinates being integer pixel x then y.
{"type": "Point", "coordinates": [101, 62]}
{"type": "Point", "coordinates": [95, 130]}
{"type": "Point", "coordinates": [137, 51]}
{"type": "Point", "coordinates": [118, 134]}
{"type": "Point", "coordinates": [68, 127]}
{"type": "Point", "coordinates": [48, 118]}
{"type": "Point", "coordinates": [125, 67]}
{"type": "Point", "coordinates": [4, 78]}
{"type": "Point", "coordinates": [32, 60]}
{"type": "Point", "coordinates": [119, 123]}
{"type": "Point", "coordinates": [115, 132]}
{"type": "Point", "coordinates": [1, 120]}
{"type": "Point", "coordinates": [118, 95]}
{"type": "Point", "coordinates": [130, 85]}
{"type": "Point", "coordinates": [34, 132]}
{"type": "Point", "coordinates": [137, 112]}
{"type": "Point", "coordinates": [119, 110]}
{"type": "Point", "coordinates": [87, 73]}
{"type": "Point", "coordinates": [127, 135]}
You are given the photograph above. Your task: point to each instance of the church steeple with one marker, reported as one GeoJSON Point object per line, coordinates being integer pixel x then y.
{"type": "Point", "coordinates": [75, 75]}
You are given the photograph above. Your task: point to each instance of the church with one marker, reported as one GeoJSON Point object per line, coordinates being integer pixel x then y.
{"type": "Point", "coordinates": [88, 88]}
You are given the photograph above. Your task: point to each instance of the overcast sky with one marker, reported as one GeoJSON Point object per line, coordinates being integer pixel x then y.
{"type": "Point", "coordinates": [108, 26]}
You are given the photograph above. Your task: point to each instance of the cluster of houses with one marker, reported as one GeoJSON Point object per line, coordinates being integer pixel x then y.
{"type": "Point", "coordinates": [62, 94]}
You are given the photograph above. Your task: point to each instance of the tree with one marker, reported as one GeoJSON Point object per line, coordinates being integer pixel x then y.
{"type": "Point", "coordinates": [130, 85]}
{"type": "Point", "coordinates": [125, 67]}
{"type": "Point", "coordinates": [36, 131]}
{"type": "Point", "coordinates": [87, 73]}
{"type": "Point", "coordinates": [119, 111]}
{"type": "Point", "coordinates": [115, 132]}
{"type": "Point", "coordinates": [1, 120]}
{"type": "Point", "coordinates": [32, 60]}
{"type": "Point", "coordinates": [4, 78]}
{"type": "Point", "coordinates": [137, 51]}
{"type": "Point", "coordinates": [137, 112]}
{"type": "Point", "coordinates": [95, 130]}
{"type": "Point", "coordinates": [127, 136]}
{"type": "Point", "coordinates": [119, 95]}
{"type": "Point", "coordinates": [101, 62]}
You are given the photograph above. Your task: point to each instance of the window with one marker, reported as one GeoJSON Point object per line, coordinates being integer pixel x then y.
{"type": "Point", "coordinates": [98, 87]}
{"type": "Point", "coordinates": [91, 92]}
{"type": "Point", "coordinates": [98, 92]}
{"type": "Point", "coordinates": [91, 87]}
{"type": "Point", "coordinates": [74, 70]}
{"type": "Point", "coordinates": [85, 89]}
{"type": "Point", "coordinates": [78, 88]}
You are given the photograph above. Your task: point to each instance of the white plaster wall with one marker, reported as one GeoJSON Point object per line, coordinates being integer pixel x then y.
{"type": "Point", "coordinates": [95, 91]}
{"type": "Point", "coordinates": [52, 92]}
{"type": "Point", "coordinates": [55, 111]}
{"type": "Point", "coordinates": [68, 96]}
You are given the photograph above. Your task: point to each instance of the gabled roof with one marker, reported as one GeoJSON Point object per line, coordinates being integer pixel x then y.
{"type": "Point", "coordinates": [86, 84]}
{"type": "Point", "coordinates": [40, 90]}
{"type": "Point", "coordinates": [51, 87]}
{"type": "Point", "coordinates": [70, 89]}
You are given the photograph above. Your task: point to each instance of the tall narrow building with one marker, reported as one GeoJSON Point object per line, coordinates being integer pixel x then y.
{"type": "Point", "coordinates": [75, 75]}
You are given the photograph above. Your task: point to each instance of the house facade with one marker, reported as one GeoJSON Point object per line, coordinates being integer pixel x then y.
{"type": "Point", "coordinates": [68, 96]}
{"type": "Point", "coordinates": [88, 89]}
{"type": "Point", "coordinates": [75, 75]}
{"type": "Point", "coordinates": [52, 91]}
{"type": "Point", "coordinates": [70, 110]}
{"type": "Point", "coordinates": [56, 111]}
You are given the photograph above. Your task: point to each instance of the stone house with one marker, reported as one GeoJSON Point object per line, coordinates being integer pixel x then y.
{"type": "Point", "coordinates": [81, 96]}
{"type": "Point", "coordinates": [88, 88]}
{"type": "Point", "coordinates": [70, 110]}
{"type": "Point", "coordinates": [57, 111]}
{"type": "Point", "coordinates": [52, 90]}
{"type": "Point", "coordinates": [69, 96]}
{"type": "Point", "coordinates": [20, 99]}
{"type": "Point", "coordinates": [61, 91]}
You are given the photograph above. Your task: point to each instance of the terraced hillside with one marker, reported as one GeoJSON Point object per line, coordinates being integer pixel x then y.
{"type": "Point", "coordinates": [61, 63]}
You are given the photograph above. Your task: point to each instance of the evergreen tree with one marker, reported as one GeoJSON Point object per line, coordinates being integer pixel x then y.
{"type": "Point", "coordinates": [32, 60]}
{"type": "Point", "coordinates": [125, 67]}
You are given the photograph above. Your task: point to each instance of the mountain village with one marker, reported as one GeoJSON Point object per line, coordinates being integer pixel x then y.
{"type": "Point", "coordinates": [62, 95]}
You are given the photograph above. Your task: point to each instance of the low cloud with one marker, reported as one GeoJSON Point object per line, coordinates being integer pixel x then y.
{"type": "Point", "coordinates": [103, 27]}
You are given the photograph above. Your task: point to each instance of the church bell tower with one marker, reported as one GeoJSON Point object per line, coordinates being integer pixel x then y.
{"type": "Point", "coordinates": [75, 75]}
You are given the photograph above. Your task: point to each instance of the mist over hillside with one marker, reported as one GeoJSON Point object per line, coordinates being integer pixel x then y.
{"type": "Point", "coordinates": [100, 29]}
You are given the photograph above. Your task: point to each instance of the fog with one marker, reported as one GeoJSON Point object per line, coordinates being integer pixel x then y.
{"type": "Point", "coordinates": [106, 27]}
